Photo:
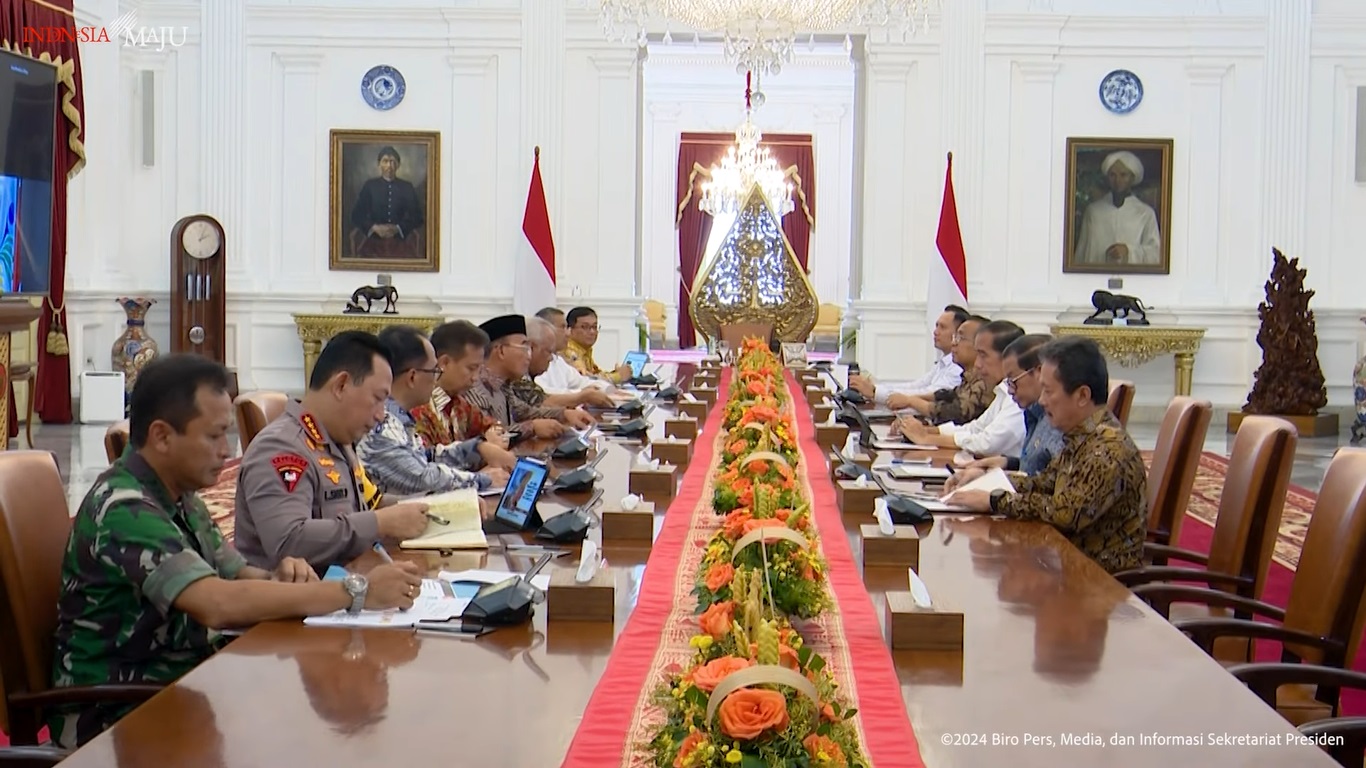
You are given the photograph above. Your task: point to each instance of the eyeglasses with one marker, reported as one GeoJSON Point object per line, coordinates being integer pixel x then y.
{"type": "Point", "coordinates": [1011, 383]}
{"type": "Point", "coordinates": [524, 345]}
{"type": "Point", "coordinates": [437, 371]}
{"type": "Point", "coordinates": [586, 327]}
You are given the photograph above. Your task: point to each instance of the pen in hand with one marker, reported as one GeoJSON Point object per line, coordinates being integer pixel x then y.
{"type": "Point", "coordinates": [437, 519]}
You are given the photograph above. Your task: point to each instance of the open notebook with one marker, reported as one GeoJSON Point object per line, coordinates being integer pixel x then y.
{"type": "Point", "coordinates": [463, 528]}
{"type": "Point", "coordinates": [993, 479]}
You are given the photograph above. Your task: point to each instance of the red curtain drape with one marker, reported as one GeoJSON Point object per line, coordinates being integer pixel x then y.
{"type": "Point", "coordinates": [696, 153]}
{"type": "Point", "coordinates": [53, 387]}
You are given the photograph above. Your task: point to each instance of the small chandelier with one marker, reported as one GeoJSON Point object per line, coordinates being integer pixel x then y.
{"type": "Point", "coordinates": [744, 165]}
{"type": "Point", "coordinates": [760, 34]}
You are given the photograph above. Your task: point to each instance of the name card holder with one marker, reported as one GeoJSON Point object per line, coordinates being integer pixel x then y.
{"type": "Point", "coordinates": [636, 527]}
{"type": "Point", "coordinates": [684, 429]}
{"type": "Point", "coordinates": [864, 460]}
{"type": "Point", "coordinates": [654, 482]}
{"type": "Point", "coordinates": [709, 364]}
{"type": "Point", "coordinates": [828, 436]}
{"type": "Point", "coordinates": [568, 600]}
{"type": "Point", "coordinates": [808, 376]}
{"type": "Point", "coordinates": [854, 500]}
{"type": "Point", "coordinates": [708, 376]}
{"type": "Point", "coordinates": [696, 410]}
{"type": "Point", "coordinates": [815, 396]}
{"type": "Point", "coordinates": [673, 450]}
{"type": "Point", "coordinates": [706, 394]}
{"type": "Point", "coordinates": [820, 412]}
{"type": "Point", "coordinates": [901, 549]}
{"type": "Point", "coordinates": [913, 628]}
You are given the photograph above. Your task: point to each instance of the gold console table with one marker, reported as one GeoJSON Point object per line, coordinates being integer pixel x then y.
{"type": "Point", "coordinates": [317, 330]}
{"type": "Point", "coordinates": [1134, 345]}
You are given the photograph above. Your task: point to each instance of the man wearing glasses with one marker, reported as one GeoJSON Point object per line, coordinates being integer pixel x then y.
{"type": "Point", "coordinates": [1042, 440]}
{"type": "Point", "coordinates": [393, 455]}
{"type": "Point", "coordinates": [583, 334]}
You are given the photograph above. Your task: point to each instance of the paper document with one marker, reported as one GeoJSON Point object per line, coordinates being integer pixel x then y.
{"type": "Point", "coordinates": [993, 480]}
{"type": "Point", "coordinates": [493, 490]}
{"type": "Point", "coordinates": [915, 471]}
{"type": "Point", "coordinates": [919, 592]}
{"type": "Point", "coordinates": [436, 602]}
{"type": "Point", "coordinates": [541, 581]}
{"type": "Point", "coordinates": [462, 527]}
{"type": "Point", "coordinates": [896, 445]}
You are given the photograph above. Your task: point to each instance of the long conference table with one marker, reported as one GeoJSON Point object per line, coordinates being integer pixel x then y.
{"type": "Point", "coordinates": [1056, 655]}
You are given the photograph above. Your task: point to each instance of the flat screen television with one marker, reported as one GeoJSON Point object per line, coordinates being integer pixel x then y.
{"type": "Point", "coordinates": [28, 112]}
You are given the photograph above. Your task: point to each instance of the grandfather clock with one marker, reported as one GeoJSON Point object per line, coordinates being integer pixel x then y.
{"type": "Point", "coordinates": [199, 307]}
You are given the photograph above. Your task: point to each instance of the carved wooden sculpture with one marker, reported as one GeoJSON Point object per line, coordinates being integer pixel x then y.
{"type": "Point", "coordinates": [1290, 381]}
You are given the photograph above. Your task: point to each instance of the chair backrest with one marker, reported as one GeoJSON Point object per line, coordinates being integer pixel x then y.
{"type": "Point", "coordinates": [829, 317]}
{"type": "Point", "coordinates": [255, 410]}
{"type": "Point", "coordinates": [1253, 499]}
{"type": "Point", "coordinates": [736, 333]}
{"type": "Point", "coordinates": [1176, 456]}
{"type": "Point", "coordinates": [1121, 399]}
{"type": "Point", "coordinates": [34, 527]}
{"type": "Point", "coordinates": [654, 310]}
{"type": "Point", "coordinates": [115, 440]}
{"type": "Point", "coordinates": [1326, 595]}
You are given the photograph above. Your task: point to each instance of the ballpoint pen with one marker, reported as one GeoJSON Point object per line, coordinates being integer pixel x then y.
{"type": "Point", "coordinates": [437, 519]}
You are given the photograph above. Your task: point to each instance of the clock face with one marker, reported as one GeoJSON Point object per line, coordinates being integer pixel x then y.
{"type": "Point", "coordinates": [200, 239]}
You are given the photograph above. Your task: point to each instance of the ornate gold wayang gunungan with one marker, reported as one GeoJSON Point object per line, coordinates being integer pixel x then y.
{"type": "Point", "coordinates": [755, 278]}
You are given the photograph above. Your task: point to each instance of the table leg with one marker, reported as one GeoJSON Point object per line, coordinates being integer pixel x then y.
{"type": "Point", "coordinates": [1185, 367]}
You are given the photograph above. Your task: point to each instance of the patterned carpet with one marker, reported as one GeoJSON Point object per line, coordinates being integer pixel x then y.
{"type": "Point", "coordinates": [1209, 486]}
{"type": "Point", "coordinates": [221, 497]}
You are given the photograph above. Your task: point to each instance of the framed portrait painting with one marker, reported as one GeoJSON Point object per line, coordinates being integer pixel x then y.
{"type": "Point", "coordinates": [386, 201]}
{"type": "Point", "coordinates": [1119, 206]}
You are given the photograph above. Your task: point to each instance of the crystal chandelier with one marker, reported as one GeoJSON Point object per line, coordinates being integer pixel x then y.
{"type": "Point", "coordinates": [744, 165]}
{"type": "Point", "coordinates": [760, 34]}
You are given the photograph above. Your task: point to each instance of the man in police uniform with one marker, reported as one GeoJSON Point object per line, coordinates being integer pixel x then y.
{"type": "Point", "coordinates": [301, 491]}
{"type": "Point", "coordinates": [148, 581]}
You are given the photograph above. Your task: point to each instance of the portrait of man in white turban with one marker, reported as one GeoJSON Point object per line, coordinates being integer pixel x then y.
{"type": "Point", "coordinates": [1118, 228]}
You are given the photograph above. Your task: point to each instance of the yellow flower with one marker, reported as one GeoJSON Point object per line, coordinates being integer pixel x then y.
{"type": "Point", "coordinates": [701, 642]}
{"type": "Point", "coordinates": [734, 757]}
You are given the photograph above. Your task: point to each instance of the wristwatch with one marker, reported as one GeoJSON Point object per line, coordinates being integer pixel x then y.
{"type": "Point", "coordinates": [996, 497]}
{"type": "Point", "coordinates": [356, 586]}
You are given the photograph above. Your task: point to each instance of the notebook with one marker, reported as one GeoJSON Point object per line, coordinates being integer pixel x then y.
{"type": "Point", "coordinates": [462, 529]}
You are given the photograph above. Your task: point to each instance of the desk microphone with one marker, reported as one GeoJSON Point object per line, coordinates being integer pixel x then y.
{"type": "Point", "coordinates": [903, 509]}
{"type": "Point", "coordinates": [671, 393]}
{"type": "Point", "coordinates": [575, 447]}
{"type": "Point", "coordinates": [579, 479]}
{"type": "Point", "coordinates": [848, 470]}
{"type": "Point", "coordinates": [508, 602]}
{"type": "Point", "coordinates": [845, 395]}
{"type": "Point", "coordinates": [572, 526]}
{"type": "Point", "coordinates": [645, 379]}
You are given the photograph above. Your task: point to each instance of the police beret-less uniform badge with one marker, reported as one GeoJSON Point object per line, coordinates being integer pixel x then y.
{"type": "Point", "coordinates": [290, 467]}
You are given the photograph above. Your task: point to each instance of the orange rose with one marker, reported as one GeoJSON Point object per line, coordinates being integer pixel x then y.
{"type": "Point", "coordinates": [735, 523]}
{"type": "Point", "coordinates": [710, 675]}
{"type": "Point", "coordinates": [824, 752]}
{"type": "Point", "coordinates": [757, 467]}
{"type": "Point", "coordinates": [694, 740]}
{"type": "Point", "coordinates": [768, 522]}
{"type": "Point", "coordinates": [748, 712]}
{"type": "Point", "coordinates": [719, 575]}
{"type": "Point", "coordinates": [716, 620]}
{"type": "Point", "coordinates": [783, 514]}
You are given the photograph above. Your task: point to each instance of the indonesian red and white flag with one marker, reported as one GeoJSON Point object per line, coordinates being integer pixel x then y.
{"type": "Point", "coordinates": [534, 283]}
{"type": "Point", "coordinates": [949, 273]}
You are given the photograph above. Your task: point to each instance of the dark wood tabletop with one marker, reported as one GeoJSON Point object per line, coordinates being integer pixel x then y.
{"type": "Point", "coordinates": [1052, 646]}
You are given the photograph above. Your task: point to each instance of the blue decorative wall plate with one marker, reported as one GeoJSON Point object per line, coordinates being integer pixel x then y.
{"type": "Point", "coordinates": [383, 87]}
{"type": "Point", "coordinates": [1121, 91]}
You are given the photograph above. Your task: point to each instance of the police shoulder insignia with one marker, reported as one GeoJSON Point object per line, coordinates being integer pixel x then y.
{"type": "Point", "coordinates": [290, 467]}
{"type": "Point", "coordinates": [334, 476]}
{"type": "Point", "coordinates": [323, 461]}
{"type": "Point", "coordinates": [311, 428]}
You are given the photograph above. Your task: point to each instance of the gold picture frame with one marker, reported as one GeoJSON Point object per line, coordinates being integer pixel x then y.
{"type": "Point", "coordinates": [385, 211]}
{"type": "Point", "coordinates": [1133, 238]}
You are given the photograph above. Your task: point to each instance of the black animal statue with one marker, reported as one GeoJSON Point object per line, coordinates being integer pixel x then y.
{"type": "Point", "coordinates": [371, 294]}
{"type": "Point", "coordinates": [1118, 305]}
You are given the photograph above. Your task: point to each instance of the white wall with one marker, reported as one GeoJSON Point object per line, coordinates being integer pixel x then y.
{"type": "Point", "coordinates": [690, 88]}
{"type": "Point", "coordinates": [1259, 98]}
{"type": "Point", "coordinates": [493, 79]}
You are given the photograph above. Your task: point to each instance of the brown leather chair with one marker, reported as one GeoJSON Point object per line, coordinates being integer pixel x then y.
{"type": "Point", "coordinates": [1121, 399]}
{"type": "Point", "coordinates": [34, 526]}
{"type": "Point", "coordinates": [1322, 621]}
{"type": "Point", "coordinates": [736, 333]}
{"type": "Point", "coordinates": [116, 440]}
{"type": "Point", "coordinates": [255, 410]}
{"type": "Point", "coordinates": [1176, 457]}
{"type": "Point", "coordinates": [1249, 518]}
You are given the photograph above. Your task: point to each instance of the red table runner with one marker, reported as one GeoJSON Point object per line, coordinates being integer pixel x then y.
{"type": "Point", "coordinates": [620, 718]}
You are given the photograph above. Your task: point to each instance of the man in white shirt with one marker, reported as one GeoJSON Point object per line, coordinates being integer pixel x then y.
{"type": "Point", "coordinates": [562, 378]}
{"type": "Point", "coordinates": [943, 374]}
{"type": "Point", "coordinates": [1001, 429]}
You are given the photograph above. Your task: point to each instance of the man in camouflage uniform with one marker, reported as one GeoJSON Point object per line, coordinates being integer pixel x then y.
{"type": "Point", "coordinates": [148, 581]}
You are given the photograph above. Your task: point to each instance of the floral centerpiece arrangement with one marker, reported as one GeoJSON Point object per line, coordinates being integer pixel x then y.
{"type": "Point", "coordinates": [754, 695]}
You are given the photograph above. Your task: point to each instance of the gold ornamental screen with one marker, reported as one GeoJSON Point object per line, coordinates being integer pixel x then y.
{"type": "Point", "coordinates": [755, 278]}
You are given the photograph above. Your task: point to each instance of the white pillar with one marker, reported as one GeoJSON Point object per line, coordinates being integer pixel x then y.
{"type": "Point", "coordinates": [1204, 262]}
{"type": "Point", "coordinates": [222, 145]}
{"type": "Point", "coordinates": [1286, 131]}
